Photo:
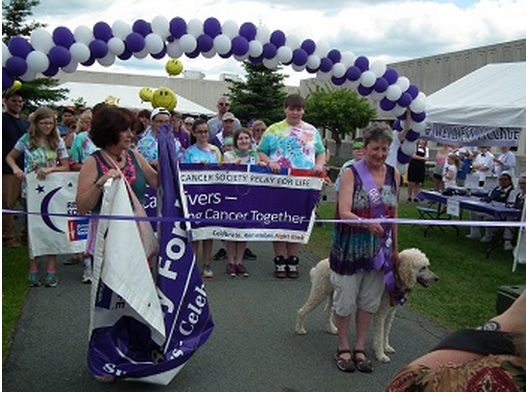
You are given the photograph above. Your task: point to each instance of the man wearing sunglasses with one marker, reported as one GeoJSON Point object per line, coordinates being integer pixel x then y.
{"type": "Point", "coordinates": [215, 125]}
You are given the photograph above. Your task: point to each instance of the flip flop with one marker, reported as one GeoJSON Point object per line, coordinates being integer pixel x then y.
{"type": "Point", "coordinates": [345, 365]}
{"type": "Point", "coordinates": [363, 365]}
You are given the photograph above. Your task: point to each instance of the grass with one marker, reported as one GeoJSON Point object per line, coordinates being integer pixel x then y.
{"type": "Point", "coordinates": [467, 291]}
{"type": "Point", "coordinates": [14, 290]}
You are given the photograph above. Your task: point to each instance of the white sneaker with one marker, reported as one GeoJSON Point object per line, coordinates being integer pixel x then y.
{"type": "Point", "coordinates": [486, 239]}
{"type": "Point", "coordinates": [507, 245]}
{"type": "Point", "coordinates": [477, 237]}
{"type": "Point", "coordinates": [86, 276]}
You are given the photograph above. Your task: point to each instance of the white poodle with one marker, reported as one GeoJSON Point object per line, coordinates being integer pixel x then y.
{"type": "Point", "coordinates": [413, 268]}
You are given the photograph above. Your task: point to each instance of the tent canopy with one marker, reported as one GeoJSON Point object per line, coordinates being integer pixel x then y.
{"type": "Point", "coordinates": [128, 97]}
{"type": "Point", "coordinates": [487, 105]}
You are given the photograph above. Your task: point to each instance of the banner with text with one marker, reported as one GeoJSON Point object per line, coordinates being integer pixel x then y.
{"type": "Point", "coordinates": [471, 135]}
{"type": "Point", "coordinates": [249, 203]}
{"type": "Point", "coordinates": [48, 232]}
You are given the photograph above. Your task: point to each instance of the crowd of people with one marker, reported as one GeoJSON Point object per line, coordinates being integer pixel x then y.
{"type": "Point", "coordinates": [112, 142]}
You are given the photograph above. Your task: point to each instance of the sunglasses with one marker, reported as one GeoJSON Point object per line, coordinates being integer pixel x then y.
{"type": "Point", "coordinates": [223, 103]}
{"type": "Point", "coordinates": [201, 132]}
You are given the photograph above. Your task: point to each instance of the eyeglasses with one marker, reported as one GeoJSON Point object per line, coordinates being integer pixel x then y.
{"type": "Point", "coordinates": [223, 103]}
{"type": "Point", "coordinates": [189, 123]}
{"type": "Point", "coordinates": [46, 123]}
{"type": "Point", "coordinates": [259, 129]}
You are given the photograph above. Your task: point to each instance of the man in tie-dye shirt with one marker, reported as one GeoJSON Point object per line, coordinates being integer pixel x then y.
{"type": "Point", "coordinates": [291, 143]}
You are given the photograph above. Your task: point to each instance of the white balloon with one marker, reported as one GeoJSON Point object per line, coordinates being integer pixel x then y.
{"type": "Point", "coordinates": [263, 34]}
{"type": "Point", "coordinates": [298, 68]}
{"type": "Point", "coordinates": [42, 40]}
{"type": "Point", "coordinates": [368, 78]}
{"type": "Point", "coordinates": [241, 58]}
{"type": "Point", "coordinates": [393, 92]}
{"type": "Point", "coordinates": [348, 59]}
{"type": "Point", "coordinates": [419, 104]}
{"type": "Point", "coordinates": [322, 48]}
{"type": "Point", "coordinates": [398, 110]}
{"type": "Point", "coordinates": [408, 147]}
{"type": "Point", "coordinates": [121, 29]}
{"type": "Point", "coordinates": [292, 41]}
{"type": "Point", "coordinates": [222, 44]}
{"type": "Point", "coordinates": [71, 67]}
{"type": "Point", "coordinates": [80, 52]}
{"type": "Point", "coordinates": [403, 83]}
{"type": "Point", "coordinates": [313, 61]}
{"type": "Point", "coordinates": [230, 29]}
{"type": "Point", "coordinates": [255, 48]}
{"type": "Point", "coordinates": [402, 168]}
{"type": "Point", "coordinates": [154, 43]}
{"type": "Point", "coordinates": [108, 60]}
{"type": "Point", "coordinates": [209, 54]}
{"type": "Point", "coordinates": [83, 34]}
{"type": "Point", "coordinates": [284, 54]}
{"type": "Point", "coordinates": [376, 96]}
{"type": "Point", "coordinates": [378, 68]}
{"type": "Point", "coordinates": [323, 77]}
{"type": "Point", "coordinates": [141, 54]}
{"type": "Point", "coordinates": [28, 76]}
{"type": "Point", "coordinates": [174, 49]}
{"type": "Point", "coordinates": [195, 27]}
{"type": "Point", "coordinates": [352, 84]}
{"type": "Point", "coordinates": [338, 70]}
{"type": "Point", "coordinates": [188, 43]}
{"type": "Point", "coordinates": [418, 127]}
{"type": "Point", "coordinates": [6, 54]}
{"type": "Point", "coordinates": [161, 26]}
{"type": "Point", "coordinates": [37, 61]}
{"type": "Point", "coordinates": [271, 63]}
{"type": "Point", "coordinates": [116, 46]}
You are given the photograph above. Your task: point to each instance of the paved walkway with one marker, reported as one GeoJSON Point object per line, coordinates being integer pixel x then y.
{"type": "Point", "coordinates": [253, 346]}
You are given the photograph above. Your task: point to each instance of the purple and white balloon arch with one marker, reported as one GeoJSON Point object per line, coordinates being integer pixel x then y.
{"type": "Point", "coordinates": [47, 53]}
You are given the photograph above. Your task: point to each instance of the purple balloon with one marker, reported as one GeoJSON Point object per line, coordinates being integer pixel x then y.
{"type": "Point", "coordinates": [16, 66]}
{"type": "Point", "coordinates": [362, 63]}
{"type": "Point", "coordinates": [62, 36]}
{"type": "Point", "coordinates": [211, 27]}
{"type": "Point", "coordinates": [142, 27]}
{"type": "Point", "coordinates": [325, 65]}
{"type": "Point", "coordinates": [102, 31]}
{"type": "Point", "coordinates": [135, 42]}
{"type": "Point", "coordinates": [269, 50]}
{"type": "Point", "coordinates": [335, 56]}
{"type": "Point", "coordinates": [89, 62]}
{"type": "Point", "coordinates": [391, 75]}
{"type": "Point", "coordinates": [299, 57]}
{"type": "Point", "coordinates": [308, 46]}
{"type": "Point", "coordinates": [51, 71]}
{"type": "Point", "coordinates": [59, 56]}
{"type": "Point", "coordinates": [338, 81]}
{"type": "Point", "coordinates": [178, 27]}
{"type": "Point", "coordinates": [278, 38]}
{"type": "Point", "coordinates": [193, 54]}
{"type": "Point", "coordinates": [413, 91]}
{"type": "Point", "coordinates": [159, 55]}
{"type": "Point", "coordinates": [205, 43]}
{"type": "Point", "coordinates": [256, 60]}
{"type": "Point", "coordinates": [412, 135]}
{"type": "Point", "coordinates": [364, 91]}
{"type": "Point", "coordinates": [381, 85]}
{"type": "Point", "coordinates": [226, 55]}
{"type": "Point", "coordinates": [418, 117]}
{"type": "Point", "coordinates": [386, 104]}
{"type": "Point", "coordinates": [19, 47]}
{"type": "Point", "coordinates": [397, 125]}
{"type": "Point", "coordinates": [405, 100]}
{"type": "Point", "coordinates": [98, 48]}
{"type": "Point", "coordinates": [248, 30]}
{"type": "Point", "coordinates": [7, 80]}
{"type": "Point", "coordinates": [353, 73]}
{"type": "Point", "coordinates": [402, 157]}
{"type": "Point", "coordinates": [311, 70]}
{"type": "Point", "coordinates": [126, 54]}
{"type": "Point", "coordinates": [239, 46]}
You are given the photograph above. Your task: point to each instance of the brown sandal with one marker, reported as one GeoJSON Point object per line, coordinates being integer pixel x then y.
{"type": "Point", "coordinates": [345, 365]}
{"type": "Point", "coordinates": [363, 365]}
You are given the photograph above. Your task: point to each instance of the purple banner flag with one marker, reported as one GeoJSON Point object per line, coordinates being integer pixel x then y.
{"type": "Point", "coordinates": [124, 343]}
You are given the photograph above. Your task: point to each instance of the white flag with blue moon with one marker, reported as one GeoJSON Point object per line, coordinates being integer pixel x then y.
{"type": "Point", "coordinates": [53, 227]}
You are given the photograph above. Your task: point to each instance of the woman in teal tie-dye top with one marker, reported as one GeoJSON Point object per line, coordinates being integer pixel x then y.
{"type": "Point", "coordinates": [291, 143]}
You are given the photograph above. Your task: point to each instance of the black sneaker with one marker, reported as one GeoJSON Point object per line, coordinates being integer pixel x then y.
{"type": "Point", "coordinates": [249, 255]}
{"type": "Point", "coordinates": [220, 255]}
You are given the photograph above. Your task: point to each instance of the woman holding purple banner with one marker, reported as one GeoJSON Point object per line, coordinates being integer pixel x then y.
{"type": "Point", "coordinates": [363, 254]}
{"type": "Point", "coordinates": [291, 143]}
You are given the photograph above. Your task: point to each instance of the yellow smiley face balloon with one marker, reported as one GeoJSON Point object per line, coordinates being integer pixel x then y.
{"type": "Point", "coordinates": [174, 67]}
{"type": "Point", "coordinates": [146, 94]}
{"type": "Point", "coordinates": [164, 98]}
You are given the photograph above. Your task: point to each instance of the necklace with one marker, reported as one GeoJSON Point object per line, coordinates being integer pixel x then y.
{"type": "Point", "coordinates": [118, 157]}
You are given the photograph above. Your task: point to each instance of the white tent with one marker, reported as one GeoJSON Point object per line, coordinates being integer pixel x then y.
{"type": "Point", "coordinates": [128, 97]}
{"type": "Point", "coordinates": [487, 106]}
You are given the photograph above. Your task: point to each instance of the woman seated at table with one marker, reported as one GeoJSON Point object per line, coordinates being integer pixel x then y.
{"type": "Point", "coordinates": [501, 194]}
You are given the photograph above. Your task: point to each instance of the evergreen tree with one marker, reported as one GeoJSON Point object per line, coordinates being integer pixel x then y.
{"type": "Point", "coordinates": [41, 91]}
{"type": "Point", "coordinates": [261, 96]}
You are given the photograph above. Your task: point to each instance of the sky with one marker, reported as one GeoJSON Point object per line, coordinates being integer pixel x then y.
{"type": "Point", "coordinates": [385, 30]}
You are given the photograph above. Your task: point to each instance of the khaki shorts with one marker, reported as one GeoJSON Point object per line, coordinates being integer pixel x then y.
{"type": "Point", "coordinates": [362, 290]}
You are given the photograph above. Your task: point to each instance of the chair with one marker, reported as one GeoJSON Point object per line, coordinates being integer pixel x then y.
{"type": "Point", "coordinates": [434, 213]}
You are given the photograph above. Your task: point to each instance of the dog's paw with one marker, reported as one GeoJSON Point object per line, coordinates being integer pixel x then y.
{"type": "Point", "coordinates": [332, 329]}
{"type": "Point", "coordinates": [389, 350]}
{"type": "Point", "coordinates": [382, 358]}
{"type": "Point", "coordinates": [301, 331]}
